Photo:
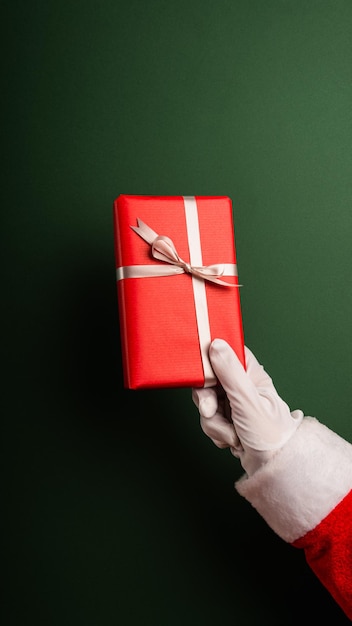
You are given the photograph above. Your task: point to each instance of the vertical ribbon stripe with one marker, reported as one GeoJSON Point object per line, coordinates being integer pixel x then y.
{"type": "Point", "coordinates": [199, 291]}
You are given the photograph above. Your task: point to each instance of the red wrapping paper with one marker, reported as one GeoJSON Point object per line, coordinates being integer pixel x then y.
{"type": "Point", "coordinates": [161, 341]}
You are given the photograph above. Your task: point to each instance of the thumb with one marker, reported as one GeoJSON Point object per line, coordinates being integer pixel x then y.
{"type": "Point", "coordinates": [256, 372]}
{"type": "Point", "coordinates": [230, 372]}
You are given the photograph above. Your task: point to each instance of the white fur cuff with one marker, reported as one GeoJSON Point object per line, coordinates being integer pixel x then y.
{"type": "Point", "coordinates": [303, 482]}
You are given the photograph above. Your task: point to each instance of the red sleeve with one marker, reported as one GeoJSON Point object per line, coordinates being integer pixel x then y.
{"type": "Point", "coordinates": [328, 550]}
{"type": "Point", "coordinates": [305, 494]}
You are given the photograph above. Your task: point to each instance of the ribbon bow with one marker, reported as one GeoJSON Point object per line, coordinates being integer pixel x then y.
{"type": "Point", "coordinates": [164, 250]}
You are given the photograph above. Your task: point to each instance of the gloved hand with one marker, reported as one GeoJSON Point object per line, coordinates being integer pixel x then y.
{"type": "Point", "coordinates": [244, 412]}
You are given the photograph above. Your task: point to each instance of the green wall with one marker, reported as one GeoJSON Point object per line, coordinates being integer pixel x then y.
{"type": "Point", "coordinates": [117, 509]}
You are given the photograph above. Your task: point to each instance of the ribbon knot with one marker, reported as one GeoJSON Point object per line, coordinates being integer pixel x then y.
{"type": "Point", "coordinates": [163, 249]}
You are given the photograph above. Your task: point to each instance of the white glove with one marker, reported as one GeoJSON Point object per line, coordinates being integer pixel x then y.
{"type": "Point", "coordinates": [244, 413]}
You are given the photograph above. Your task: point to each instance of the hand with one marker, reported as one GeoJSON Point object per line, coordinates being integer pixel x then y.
{"type": "Point", "coordinates": [244, 412]}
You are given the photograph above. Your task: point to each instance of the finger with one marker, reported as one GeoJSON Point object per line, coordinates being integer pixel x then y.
{"type": "Point", "coordinates": [219, 444]}
{"type": "Point", "coordinates": [236, 452]}
{"type": "Point", "coordinates": [206, 400]}
{"type": "Point", "coordinates": [219, 430]}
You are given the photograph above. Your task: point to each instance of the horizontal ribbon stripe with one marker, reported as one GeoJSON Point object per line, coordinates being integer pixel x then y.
{"type": "Point", "coordinates": [145, 271]}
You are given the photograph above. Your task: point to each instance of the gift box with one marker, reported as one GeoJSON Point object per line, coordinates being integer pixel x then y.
{"type": "Point", "coordinates": [177, 287]}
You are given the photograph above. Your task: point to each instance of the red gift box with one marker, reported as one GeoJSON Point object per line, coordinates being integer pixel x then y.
{"type": "Point", "coordinates": [177, 287]}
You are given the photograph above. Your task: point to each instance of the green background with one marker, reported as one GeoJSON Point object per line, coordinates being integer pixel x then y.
{"type": "Point", "coordinates": [117, 509]}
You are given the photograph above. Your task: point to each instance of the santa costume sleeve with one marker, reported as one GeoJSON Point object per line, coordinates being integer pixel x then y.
{"type": "Point", "coordinates": [305, 495]}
